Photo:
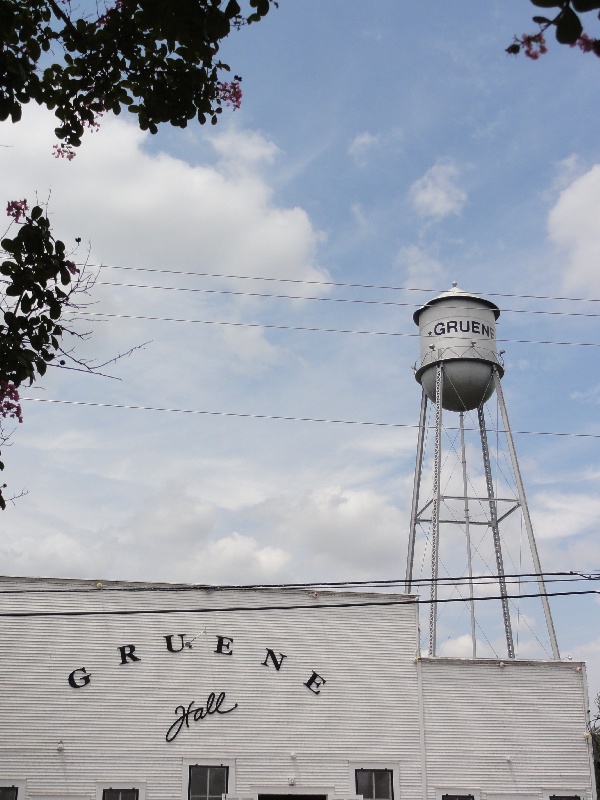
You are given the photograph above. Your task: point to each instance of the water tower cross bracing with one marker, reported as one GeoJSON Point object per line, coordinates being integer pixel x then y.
{"type": "Point", "coordinates": [459, 370]}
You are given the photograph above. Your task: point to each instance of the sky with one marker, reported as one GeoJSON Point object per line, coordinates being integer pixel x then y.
{"type": "Point", "coordinates": [377, 144]}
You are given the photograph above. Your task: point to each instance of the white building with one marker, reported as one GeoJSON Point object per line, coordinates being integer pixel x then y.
{"type": "Point", "coordinates": [158, 692]}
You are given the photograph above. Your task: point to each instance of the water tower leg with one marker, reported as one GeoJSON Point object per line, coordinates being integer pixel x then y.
{"type": "Point", "coordinates": [495, 533]}
{"type": "Point", "coordinates": [467, 531]}
{"type": "Point", "coordinates": [435, 511]}
{"type": "Point", "coordinates": [415, 496]}
{"type": "Point", "coordinates": [526, 517]}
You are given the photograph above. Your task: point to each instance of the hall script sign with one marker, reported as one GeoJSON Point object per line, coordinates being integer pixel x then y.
{"type": "Point", "coordinates": [216, 702]}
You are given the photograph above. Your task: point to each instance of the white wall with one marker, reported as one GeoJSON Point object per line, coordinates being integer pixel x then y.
{"type": "Point", "coordinates": [65, 742]}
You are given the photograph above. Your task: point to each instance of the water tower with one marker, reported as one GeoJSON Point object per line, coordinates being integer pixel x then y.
{"type": "Point", "coordinates": [459, 370]}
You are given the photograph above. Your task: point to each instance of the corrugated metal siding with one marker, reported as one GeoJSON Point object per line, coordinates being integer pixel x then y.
{"type": "Point", "coordinates": [367, 713]}
{"type": "Point", "coordinates": [114, 728]}
{"type": "Point", "coordinates": [477, 715]}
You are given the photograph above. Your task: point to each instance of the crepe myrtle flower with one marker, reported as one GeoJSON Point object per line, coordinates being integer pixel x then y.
{"type": "Point", "coordinates": [231, 93]}
{"type": "Point", "coordinates": [17, 209]}
{"type": "Point", "coordinates": [10, 407]}
{"type": "Point", "coordinates": [63, 151]}
{"type": "Point", "coordinates": [534, 45]}
{"type": "Point", "coordinates": [588, 45]}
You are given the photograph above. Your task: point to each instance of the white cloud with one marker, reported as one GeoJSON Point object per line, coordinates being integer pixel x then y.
{"type": "Point", "coordinates": [590, 653]}
{"type": "Point", "coordinates": [243, 148]}
{"type": "Point", "coordinates": [360, 147]}
{"type": "Point", "coordinates": [558, 514]}
{"type": "Point", "coordinates": [573, 227]}
{"type": "Point", "coordinates": [335, 531]}
{"type": "Point", "coordinates": [421, 270]}
{"type": "Point", "coordinates": [437, 194]}
{"type": "Point", "coordinates": [460, 647]}
{"type": "Point", "coordinates": [53, 551]}
{"type": "Point", "coordinates": [567, 170]}
{"type": "Point", "coordinates": [242, 557]}
{"type": "Point", "coordinates": [156, 210]}
{"type": "Point", "coordinates": [250, 349]}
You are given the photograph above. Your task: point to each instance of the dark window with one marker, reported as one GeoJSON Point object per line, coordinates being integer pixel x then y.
{"type": "Point", "coordinates": [565, 797]}
{"type": "Point", "coordinates": [120, 794]}
{"type": "Point", "coordinates": [292, 797]}
{"type": "Point", "coordinates": [8, 792]}
{"type": "Point", "coordinates": [374, 784]}
{"type": "Point", "coordinates": [208, 783]}
{"type": "Point", "coordinates": [458, 797]}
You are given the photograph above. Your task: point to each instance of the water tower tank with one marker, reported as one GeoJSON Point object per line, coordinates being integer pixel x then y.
{"type": "Point", "coordinates": [458, 329]}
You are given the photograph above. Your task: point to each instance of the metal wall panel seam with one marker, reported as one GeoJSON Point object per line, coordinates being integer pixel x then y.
{"type": "Point", "coordinates": [422, 736]}
{"type": "Point", "coordinates": [584, 696]}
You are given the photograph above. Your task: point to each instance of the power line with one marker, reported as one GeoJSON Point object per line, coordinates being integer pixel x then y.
{"type": "Point", "coordinates": [307, 328]}
{"type": "Point", "coordinates": [362, 301]}
{"type": "Point", "coordinates": [479, 580]}
{"type": "Point", "coordinates": [287, 418]}
{"type": "Point", "coordinates": [292, 607]}
{"type": "Point", "coordinates": [339, 283]}
{"type": "Point", "coordinates": [215, 413]}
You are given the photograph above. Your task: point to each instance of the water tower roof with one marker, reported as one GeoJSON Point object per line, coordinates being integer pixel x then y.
{"type": "Point", "coordinates": [455, 293]}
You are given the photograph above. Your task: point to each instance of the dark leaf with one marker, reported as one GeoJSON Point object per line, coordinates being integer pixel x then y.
{"type": "Point", "coordinates": [568, 27]}
{"type": "Point", "coordinates": [233, 8]}
{"type": "Point", "coordinates": [585, 5]}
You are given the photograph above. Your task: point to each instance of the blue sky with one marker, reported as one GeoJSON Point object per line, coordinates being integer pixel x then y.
{"type": "Point", "coordinates": [376, 144]}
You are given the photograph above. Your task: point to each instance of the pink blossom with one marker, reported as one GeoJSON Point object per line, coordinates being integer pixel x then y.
{"type": "Point", "coordinates": [17, 209]}
{"type": "Point", "coordinates": [231, 93]}
{"type": "Point", "coordinates": [534, 44]}
{"type": "Point", "coordinates": [585, 43]}
{"type": "Point", "coordinates": [9, 401]}
{"type": "Point", "coordinates": [64, 151]}
{"type": "Point", "coordinates": [94, 125]}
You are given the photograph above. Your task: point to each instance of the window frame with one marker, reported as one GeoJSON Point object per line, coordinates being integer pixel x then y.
{"type": "Point", "coordinates": [209, 768]}
{"type": "Point", "coordinates": [206, 762]}
{"type": "Point", "coordinates": [101, 787]}
{"type": "Point", "coordinates": [20, 785]}
{"type": "Point", "coordinates": [460, 791]}
{"type": "Point", "coordinates": [287, 789]}
{"type": "Point", "coordinates": [453, 796]}
{"type": "Point", "coordinates": [388, 766]}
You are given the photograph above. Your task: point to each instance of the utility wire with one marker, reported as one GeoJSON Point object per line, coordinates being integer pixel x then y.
{"type": "Point", "coordinates": [294, 607]}
{"type": "Point", "coordinates": [396, 303]}
{"type": "Point", "coordinates": [339, 284]}
{"type": "Point", "coordinates": [286, 418]}
{"type": "Point", "coordinates": [88, 314]}
{"type": "Point", "coordinates": [483, 580]}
